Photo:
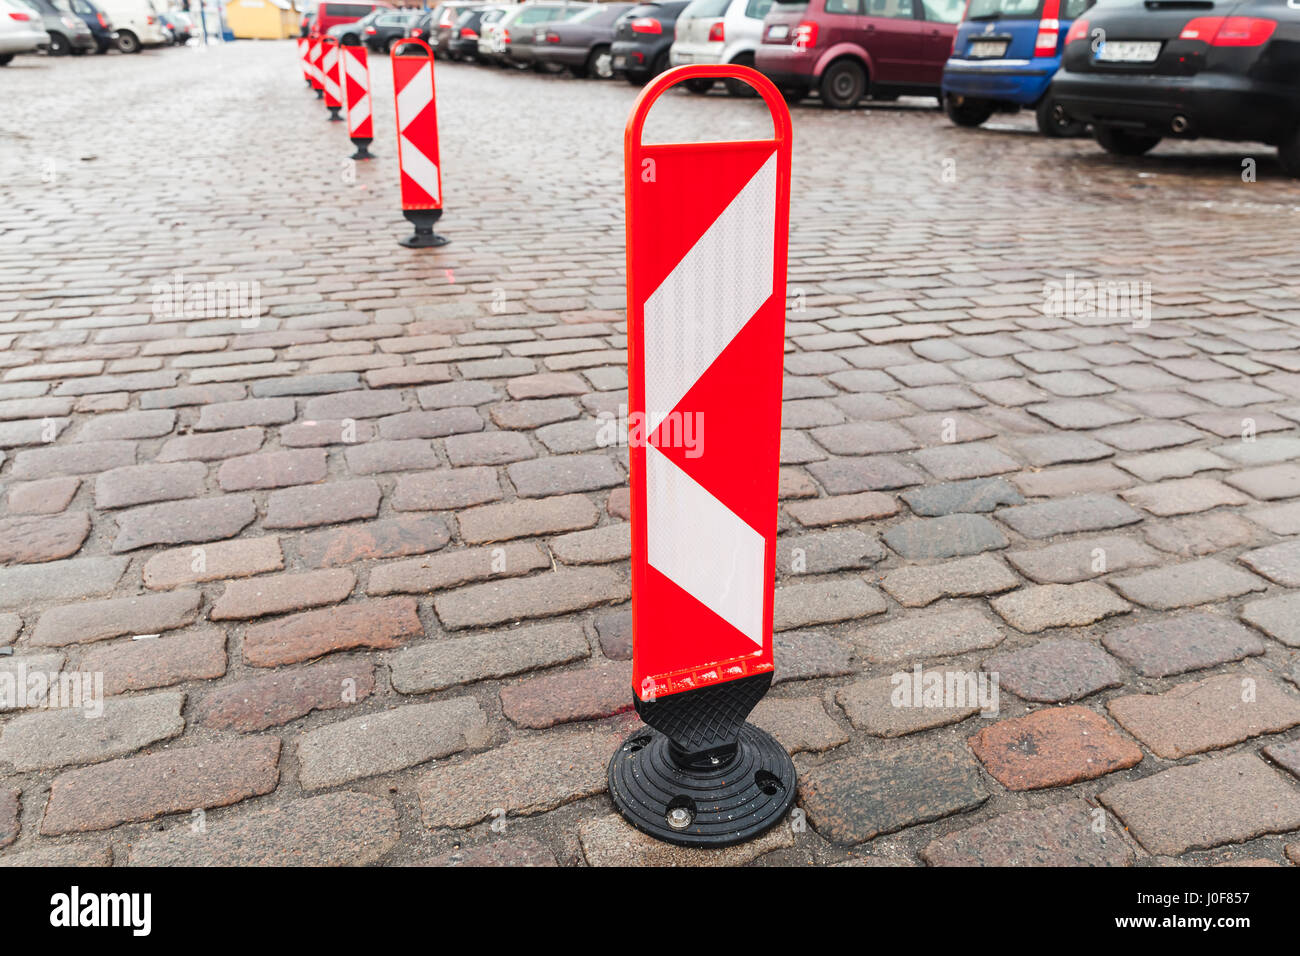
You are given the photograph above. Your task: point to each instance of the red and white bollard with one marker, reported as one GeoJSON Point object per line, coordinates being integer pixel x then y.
{"type": "Point", "coordinates": [355, 72]}
{"type": "Point", "coordinates": [707, 228]}
{"type": "Point", "coordinates": [313, 61]}
{"type": "Point", "coordinates": [329, 63]}
{"type": "Point", "coordinates": [417, 142]}
{"type": "Point", "coordinates": [302, 59]}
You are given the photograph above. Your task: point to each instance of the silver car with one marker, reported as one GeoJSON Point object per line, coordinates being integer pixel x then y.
{"type": "Point", "coordinates": [719, 31]}
{"type": "Point", "coordinates": [20, 30]}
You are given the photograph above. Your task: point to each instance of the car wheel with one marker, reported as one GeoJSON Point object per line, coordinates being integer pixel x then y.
{"type": "Point", "coordinates": [6, 59]}
{"type": "Point", "coordinates": [1054, 121]}
{"type": "Point", "coordinates": [660, 64]}
{"type": "Point", "coordinates": [699, 86]}
{"type": "Point", "coordinates": [1288, 154]}
{"type": "Point", "coordinates": [843, 84]}
{"type": "Point", "coordinates": [58, 44]}
{"type": "Point", "coordinates": [1122, 142]}
{"type": "Point", "coordinates": [965, 111]}
{"type": "Point", "coordinates": [128, 42]}
{"type": "Point", "coordinates": [740, 87]}
{"type": "Point", "coordinates": [600, 64]}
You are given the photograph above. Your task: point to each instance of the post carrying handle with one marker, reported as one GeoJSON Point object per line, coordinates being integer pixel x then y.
{"type": "Point", "coordinates": [776, 105]}
{"type": "Point", "coordinates": [413, 41]}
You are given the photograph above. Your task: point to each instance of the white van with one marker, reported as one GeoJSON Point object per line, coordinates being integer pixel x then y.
{"type": "Point", "coordinates": [136, 22]}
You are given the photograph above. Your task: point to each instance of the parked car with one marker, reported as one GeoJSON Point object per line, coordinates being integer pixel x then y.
{"type": "Point", "coordinates": [442, 25]}
{"type": "Point", "coordinates": [1228, 69]}
{"type": "Point", "coordinates": [331, 14]}
{"type": "Point", "coordinates": [351, 32]}
{"type": "Point", "coordinates": [719, 31]}
{"type": "Point", "coordinates": [1003, 59]}
{"type": "Point", "coordinates": [848, 49]}
{"type": "Point", "coordinates": [582, 43]}
{"type": "Point", "coordinates": [135, 22]}
{"type": "Point", "coordinates": [20, 30]}
{"type": "Point", "coordinates": [419, 27]}
{"type": "Point", "coordinates": [179, 25]}
{"type": "Point", "coordinates": [463, 42]}
{"type": "Point", "coordinates": [65, 31]}
{"type": "Point", "coordinates": [524, 33]}
{"type": "Point", "coordinates": [489, 24]}
{"type": "Point", "coordinates": [101, 27]}
{"type": "Point", "coordinates": [304, 25]}
{"type": "Point", "coordinates": [386, 28]}
{"type": "Point", "coordinates": [642, 37]}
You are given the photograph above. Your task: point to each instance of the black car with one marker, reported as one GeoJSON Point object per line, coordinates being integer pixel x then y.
{"type": "Point", "coordinates": [462, 42]}
{"type": "Point", "coordinates": [387, 28]}
{"type": "Point", "coordinates": [442, 25]}
{"type": "Point", "coordinates": [101, 27]}
{"type": "Point", "coordinates": [1141, 70]}
{"type": "Point", "coordinates": [583, 43]}
{"type": "Point", "coordinates": [642, 37]}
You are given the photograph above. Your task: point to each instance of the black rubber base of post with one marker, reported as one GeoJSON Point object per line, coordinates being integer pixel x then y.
{"type": "Point", "coordinates": [334, 114]}
{"type": "Point", "coordinates": [363, 149]}
{"type": "Point", "coordinates": [729, 803]}
{"type": "Point", "coordinates": [423, 240]}
{"type": "Point", "coordinates": [320, 94]}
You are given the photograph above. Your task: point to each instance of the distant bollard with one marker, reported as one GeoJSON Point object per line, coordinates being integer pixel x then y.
{"type": "Point", "coordinates": [314, 51]}
{"type": "Point", "coordinates": [707, 237]}
{"type": "Point", "coordinates": [329, 62]}
{"type": "Point", "coordinates": [355, 72]}
{"type": "Point", "coordinates": [417, 142]}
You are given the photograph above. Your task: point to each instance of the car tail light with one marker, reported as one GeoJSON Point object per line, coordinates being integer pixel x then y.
{"type": "Point", "coordinates": [717, 34]}
{"type": "Point", "coordinates": [1229, 31]}
{"type": "Point", "coordinates": [19, 15]}
{"type": "Point", "coordinates": [467, 34]}
{"type": "Point", "coordinates": [1049, 29]}
{"type": "Point", "coordinates": [647, 25]}
{"type": "Point", "coordinates": [102, 22]}
{"type": "Point", "coordinates": [417, 32]}
{"type": "Point", "coordinates": [805, 34]}
{"type": "Point", "coordinates": [371, 30]}
{"type": "Point", "coordinates": [1078, 31]}
{"type": "Point", "coordinates": [552, 37]}
{"type": "Point", "coordinates": [505, 36]}
{"type": "Point", "coordinates": [150, 19]}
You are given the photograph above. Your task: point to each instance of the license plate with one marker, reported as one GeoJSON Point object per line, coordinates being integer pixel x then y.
{"type": "Point", "coordinates": [778, 32]}
{"type": "Point", "coordinates": [1129, 51]}
{"type": "Point", "coordinates": [988, 48]}
{"type": "Point", "coordinates": [539, 37]}
{"type": "Point", "coordinates": [620, 62]}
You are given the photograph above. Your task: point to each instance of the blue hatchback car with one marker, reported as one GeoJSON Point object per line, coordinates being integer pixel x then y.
{"type": "Point", "coordinates": [1003, 59]}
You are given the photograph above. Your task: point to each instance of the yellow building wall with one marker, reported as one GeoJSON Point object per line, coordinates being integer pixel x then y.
{"type": "Point", "coordinates": [260, 20]}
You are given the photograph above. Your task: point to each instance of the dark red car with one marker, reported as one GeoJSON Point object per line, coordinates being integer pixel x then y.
{"type": "Point", "coordinates": [848, 49]}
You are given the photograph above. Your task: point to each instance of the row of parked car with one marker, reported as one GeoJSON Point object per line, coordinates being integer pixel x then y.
{"type": "Point", "coordinates": [1132, 71]}
{"type": "Point", "coordinates": [62, 27]}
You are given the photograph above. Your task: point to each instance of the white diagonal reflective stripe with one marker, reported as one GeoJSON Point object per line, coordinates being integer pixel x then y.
{"type": "Point", "coordinates": [359, 111]}
{"type": "Point", "coordinates": [710, 295]}
{"type": "Point", "coordinates": [420, 168]}
{"type": "Point", "coordinates": [357, 70]}
{"type": "Point", "coordinates": [415, 96]}
{"type": "Point", "coordinates": [703, 547]}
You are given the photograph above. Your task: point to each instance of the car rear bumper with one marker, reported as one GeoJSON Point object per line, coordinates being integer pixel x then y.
{"type": "Point", "coordinates": [1010, 81]}
{"type": "Point", "coordinates": [1212, 104]}
{"type": "Point", "coordinates": [787, 67]}
{"type": "Point", "coordinates": [23, 42]}
{"type": "Point", "coordinates": [684, 54]}
{"type": "Point", "coordinates": [632, 57]}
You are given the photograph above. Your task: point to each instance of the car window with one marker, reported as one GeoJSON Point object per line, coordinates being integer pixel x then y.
{"type": "Point", "coordinates": [1008, 9]}
{"type": "Point", "coordinates": [757, 9]}
{"type": "Point", "coordinates": [943, 11]}
{"type": "Point", "coordinates": [893, 9]}
{"type": "Point", "coordinates": [1072, 8]}
{"type": "Point", "coordinates": [706, 9]}
{"type": "Point", "coordinates": [843, 6]}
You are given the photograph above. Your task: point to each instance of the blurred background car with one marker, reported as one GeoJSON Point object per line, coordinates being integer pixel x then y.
{"type": "Point", "coordinates": [330, 14]}
{"type": "Point", "coordinates": [135, 22]}
{"type": "Point", "coordinates": [846, 50]}
{"type": "Point", "coordinates": [642, 37]}
{"type": "Point", "coordinates": [351, 32]}
{"type": "Point", "coordinates": [442, 25]}
{"type": "Point", "coordinates": [20, 30]}
{"type": "Point", "coordinates": [65, 31]}
{"type": "Point", "coordinates": [387, 27]}
{"type": "Point", "coordinates": [1003, 59]}
{"type": "Point", "coordinates": [101, 27]}
{"type": "Point", "coordinates": [178, 23]}
{"type": "Point", "coordinates": [462, 44]}
{"type": "Point", "coordinates": [1141, 70]}
{"type": "Point", "coordinates": [582, 43]}
{"type": "Point", "coordinates": [719, 31]}
{"type": "Point", "coordinates": [529, 31]}
{"type": "Point", "coordinates": [304, 25]}
{"type": "Point", "coordinates": [489, 24]}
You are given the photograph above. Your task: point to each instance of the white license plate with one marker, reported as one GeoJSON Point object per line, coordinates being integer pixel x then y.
{"type": "Point", "coordinates": [988, 48]}
{"type": "Point", "coordinates": [539, 37]}
{"type": "Point", "coordinates": [620, 62]}
{"type": "Point", "coordinates": [778, 32]}
{"type": "Point", "coordinates": [1129, 51]}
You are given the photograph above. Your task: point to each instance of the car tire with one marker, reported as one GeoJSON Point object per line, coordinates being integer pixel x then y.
{"type": "Point", "coordinates": [967, 112]}
{"type": "Point", "coordinates": [1054, 122]}
{"type": "Point", "coordinates": [6, 59]}
{"type": "Point", "coordinates": [660, 64]}
{"type": "Point", "coordinates": [739, 88]}
{"type": "Point", "coordinates": [600, 64]}
{"type": "Point", "coordinates": [59, 45]}
{"type": "Point", "coordinates": [844, 83]}
{"type": "Point", "coordinates": [128, 42]}
{"type": "Point", "coordinates": [1288, 154]}
{"type": "Point", "coordinates": [700, 86]}
{"type": "Point", "coordinates": [1122, 142]}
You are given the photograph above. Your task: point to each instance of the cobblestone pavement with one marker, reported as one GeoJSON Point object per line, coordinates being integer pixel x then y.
{"type": "Point", "coordinates": [386, 556]}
